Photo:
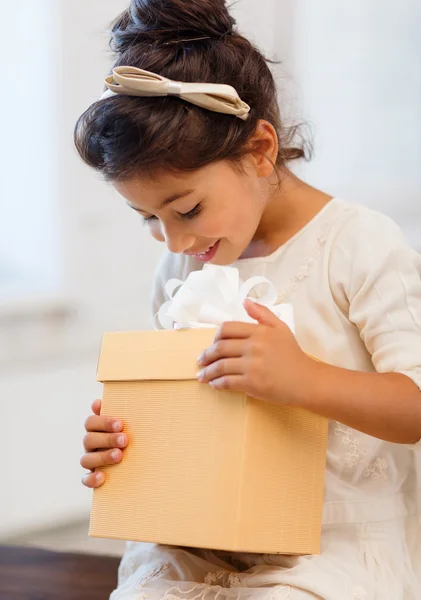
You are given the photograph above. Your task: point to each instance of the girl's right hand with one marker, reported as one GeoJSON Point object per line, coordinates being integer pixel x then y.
{"type": "Point", "coordinates": [103, 444]}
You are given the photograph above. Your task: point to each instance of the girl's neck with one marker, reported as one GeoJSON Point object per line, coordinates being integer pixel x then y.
{"type": "Point", "coordinates": [289, 209]}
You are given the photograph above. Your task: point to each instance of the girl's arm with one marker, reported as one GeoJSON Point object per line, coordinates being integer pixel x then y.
{"type": "Point", "coordinates": [376, 282]}
{"type": "Point", "coordinates": [383, 405]}
{"type": "Point", "coordinates": [266, 362]}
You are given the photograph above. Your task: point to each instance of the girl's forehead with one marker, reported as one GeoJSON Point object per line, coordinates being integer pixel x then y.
{"type": "Point", "coordinates": [173, 183]}
{"type": "Point", "coordinates": [158, 191]}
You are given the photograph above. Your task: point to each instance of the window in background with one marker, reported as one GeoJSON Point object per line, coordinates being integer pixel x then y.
{"type": "Point", "coordinates": [29, 249]}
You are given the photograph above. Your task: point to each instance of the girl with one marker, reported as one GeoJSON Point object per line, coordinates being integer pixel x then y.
{"type": "Point", "coordinates": [207, 169]}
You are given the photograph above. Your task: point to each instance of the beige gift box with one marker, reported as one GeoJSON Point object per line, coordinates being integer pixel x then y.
{"type": "Point", "coordinates": [204, 469]}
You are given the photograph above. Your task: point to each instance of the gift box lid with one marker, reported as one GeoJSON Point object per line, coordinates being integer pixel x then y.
{"type": "Point", "coordinates": [152, 355]}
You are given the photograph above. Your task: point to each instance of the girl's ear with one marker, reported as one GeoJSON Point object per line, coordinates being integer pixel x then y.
{"type": "Point", "coordinates": [264, 148]}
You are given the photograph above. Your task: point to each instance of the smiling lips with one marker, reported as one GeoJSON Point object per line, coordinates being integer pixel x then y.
{"type": "Point", "coordinates": [206, 256]}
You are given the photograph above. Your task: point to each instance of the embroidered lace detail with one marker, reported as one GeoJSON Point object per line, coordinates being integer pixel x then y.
{"type": "Point", "coordinates": [151, 576]}
{"type": "Point", "coordinates": [310, 261]}
{"type": "Point", "coordinates": [234, 580]}
{"type": "Point", "coordinates": [376, 469]}
{"type": "Point", "coordinates": [223, 578]}
{"type": "Point", "coordinates": [355, 453]}
{"type": "Point", "coordinates": [214, 578]}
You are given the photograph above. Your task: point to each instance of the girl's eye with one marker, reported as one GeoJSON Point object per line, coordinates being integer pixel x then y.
{"type": "Point", "coordinates": [147, 220]}
{"type": "Point", "coordinates": [193, 213]}
{"type": "Point", "coordinates": [185, 216]}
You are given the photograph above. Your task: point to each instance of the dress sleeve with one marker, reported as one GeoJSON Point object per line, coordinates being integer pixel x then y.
{"type": "Point", "coordinates": [376, 279]}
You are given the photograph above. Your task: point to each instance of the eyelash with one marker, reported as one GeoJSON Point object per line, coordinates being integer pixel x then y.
{"type": "Point", "coordinates": [187, 216]}
{"type": "Point", "coordinates": [193, 213]}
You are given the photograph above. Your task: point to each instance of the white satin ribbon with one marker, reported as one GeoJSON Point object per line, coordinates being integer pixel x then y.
{"type": "Point", "coordinates": [214, 295]}
{"type": "Point", "coordinates": [131, 81]}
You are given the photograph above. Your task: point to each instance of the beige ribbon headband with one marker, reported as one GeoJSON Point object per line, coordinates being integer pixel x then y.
{"type": "Point", "coordinates": [131, 81]}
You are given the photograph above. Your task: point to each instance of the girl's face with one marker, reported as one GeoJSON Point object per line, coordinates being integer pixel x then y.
{"type": "Point", "coordinates": [211, 214]}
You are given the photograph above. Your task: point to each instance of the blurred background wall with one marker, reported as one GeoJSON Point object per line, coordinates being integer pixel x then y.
{"type": "Point", "coordinates": [75, 261]}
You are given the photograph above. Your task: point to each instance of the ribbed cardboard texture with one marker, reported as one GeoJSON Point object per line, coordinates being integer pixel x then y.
{"type": "Point", "coordinates": [204, 469]}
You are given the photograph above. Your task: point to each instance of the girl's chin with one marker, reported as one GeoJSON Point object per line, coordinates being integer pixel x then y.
{"type": "Point", "coordinates": [224, 261]}
{"type": "Point", "coordinates": [225, 256]}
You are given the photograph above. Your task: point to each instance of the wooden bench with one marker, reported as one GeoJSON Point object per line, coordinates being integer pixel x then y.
{"type": "Point", "coordinates": [32, 574]}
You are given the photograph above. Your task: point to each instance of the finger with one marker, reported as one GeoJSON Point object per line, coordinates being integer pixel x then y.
{"type": "Point", "coordinates": [221, 368]}
{"type": "Point", "coordinates": [93, 480]}
{"type": "Point", "coordinates": [261, 314]}
{"type": "Point", "coordinates": [222, 349]}
{"type": "Point", "coordinates": [95, 460]}
{"type": "Point", "coordinates": [94, 441]}
{"type": "Point", "coordinates": [96, 407]}
{"type": "Point", "coordinates": [233, 330]}
{"type": "Point", "coordinates": [106, 424]}
{"type": "Point", "coordinates": [230, 383]}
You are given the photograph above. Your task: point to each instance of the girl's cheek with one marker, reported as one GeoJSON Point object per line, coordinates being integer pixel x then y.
{"type": "Point", "coordinates": [156, 231]}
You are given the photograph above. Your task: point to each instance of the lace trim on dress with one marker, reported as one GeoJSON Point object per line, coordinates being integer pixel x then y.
{"type": "Point", "coordinates": [375, 469]}
{"type": "Point", "coordinates": [310, 261]}
{"type": "Point", "coordinates": [151, 576]}
{"type": "Point", "coordinates": [356, 452]}
{"type": "Point", "coordinates": [224, 578]}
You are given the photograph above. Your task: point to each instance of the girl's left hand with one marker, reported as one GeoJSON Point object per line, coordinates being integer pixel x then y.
{"type": "Point", "coordinates": [263, 361]}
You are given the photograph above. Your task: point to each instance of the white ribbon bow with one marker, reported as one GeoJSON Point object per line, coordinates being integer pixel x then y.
{"type": "Point", "coordinates": [214, 295]}
{"type": "Point", "coordinates": [131, 81]}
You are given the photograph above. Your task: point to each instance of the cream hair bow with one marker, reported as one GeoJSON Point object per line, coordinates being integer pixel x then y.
{"type": "Point", "coordinates": [131, 81]}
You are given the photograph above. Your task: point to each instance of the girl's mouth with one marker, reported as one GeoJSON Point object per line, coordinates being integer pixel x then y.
{"type": "Point", "coordinates": [208, 255]}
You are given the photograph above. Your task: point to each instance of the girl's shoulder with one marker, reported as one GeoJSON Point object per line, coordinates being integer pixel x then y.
{"type": "Point", "coordinates": [369, 252]}
{"type": "Point", "coordinates": [361, 231]}
{"type": "Point", "coordinates": [353, 216]}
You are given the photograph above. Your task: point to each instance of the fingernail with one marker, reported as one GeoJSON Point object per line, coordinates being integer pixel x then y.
{"type": "Point", "coordinates": [200, 359]}
{"type": "Point", "coordinates": [201, 376]}
{"type": "Point", "coordinates": [117, 426]}
{"type": "Point", "coordinates": [121, 440]}
{"type": "Point", "coordinates": [99, 477]}
{"type": "Point", "coordinates": [115, 455]}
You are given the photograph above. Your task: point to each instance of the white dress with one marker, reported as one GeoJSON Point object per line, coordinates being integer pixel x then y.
{"type": "Point", "coordinates": [356, 290]}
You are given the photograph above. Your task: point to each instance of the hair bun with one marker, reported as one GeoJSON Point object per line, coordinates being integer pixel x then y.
{"type": "Point", "coordinates": [170, 20]}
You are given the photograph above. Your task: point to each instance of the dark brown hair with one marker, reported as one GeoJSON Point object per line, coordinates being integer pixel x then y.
{"type": "Point", "coordinates": [124, 136]}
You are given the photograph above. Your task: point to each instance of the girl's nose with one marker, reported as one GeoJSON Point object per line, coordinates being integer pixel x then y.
{"type": "Point", "coordinates": [177, 241]}
{"type": "Point", "coordinates": [178, 244]}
